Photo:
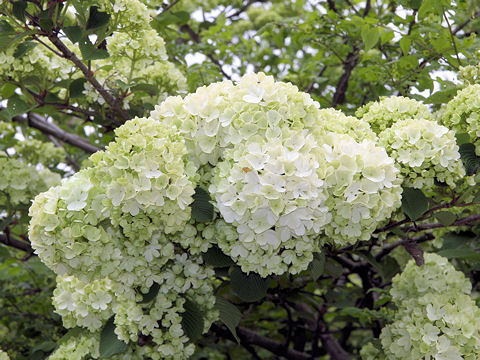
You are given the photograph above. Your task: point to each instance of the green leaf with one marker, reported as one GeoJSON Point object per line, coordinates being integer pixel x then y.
{"type": "Point", "coordinates": [229, 315]}
{"type": "Point", "coordinates": [454, 240]}
{"type": "Point", "coordinates": [192, 320]}
{"type": "Point", "coordinates": [123, 85]}
{"type": "Point", "coordinates": [45, 347]}
{"type": "Point", "coordinates": [7, 90]}
{"type": "Point", "coordinates": [429, 6]}
{"type": "Point", "coordinates": [333, 268]}
{"type": "Point", "coordinates": [16, 106]}
{"type": "Point", "coordinates": [18, 10]}
{"type": "Point", "coordinates": [215, 257]}
{"type": "Point", "coordinates": [23, 48]}
{"type": "Point", "coordinates": [317, 266]}
{"type": "Point", "coordinates": [45, 21]}
{"type": "Point", "coordinates": [110, 344]}
{"type": "Point", "coordinates": [150, 89]}
{"type": "Point", "coordinates": [370, 36]}
{"type": "Point", "coordinates": [469, 158]}
{"type": "Point", "coordinates": [460, 253]}
{"type": "Point", "coordinates": [202, 208]}
{"type": "Point", "coordinates": [76, 88]}
{"type": "Point", "coordinates": [414, 203]}
{"type": "Point", "coordinates": [74, 33]}
{"type": "Point", "coordinates": [90, 52]}
{"type": "Point", "coordinates": [441, 97]}
{"type": "Point", "coordinates": [405, 45]}
{"type": "Point", "coordinates": [446, 218]}
{"type": "Point", "coordinates": [97, 19]}
{"type": "Point", "coordinates": [6, 28]}
{"type": "Point", "coordinates": [167, 18]}
{"type": "Point", "coordinates": [152, 294]}
{"type": "Point", "coordinates": [250, 287]}
{"type": "Point", "coordinates": [462, 138]}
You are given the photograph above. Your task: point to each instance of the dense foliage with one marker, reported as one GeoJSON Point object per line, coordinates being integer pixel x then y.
{"type": "Point", "coordinates": [229, 180]}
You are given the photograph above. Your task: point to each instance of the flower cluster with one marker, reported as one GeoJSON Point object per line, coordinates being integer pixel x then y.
{"type": "Point", "coordinates": [4, 355]}
{"type": "Point", "coordinates": [426, 152]}
{"type": "Point", "coordinates": [76, 345]}
{"type": "Point", "coordinates": [20, 182]}
{"type": "Point", "coordinates": [106, 232]}
{"type": "Point", "coordinates": [462, 114]}
{"type": "Point", "coordinates": [436, 317]}
{"type": "Point", "coordinates": [384, 113]}
{"type": "Point", "coordinates": [363, 188]}
{"type": "Point", "coordinates": [273, 193]}
{"type": "Point", "coordinates": [35, 152]}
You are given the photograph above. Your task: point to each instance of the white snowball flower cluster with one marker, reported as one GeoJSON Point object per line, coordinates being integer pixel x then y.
{"type": "Point", "coordinates": [462, 114]}
{"type": "Point", "coordinates": [273, 193]}
{"type": "Point", "coordinates": [106, 232]}
{"type": "Point", "coordinates": [20, 182]}
{"type": "Point", "coordinates": [436, 318]}
{"type": "Point", "coordinates": [384, 113]}
{"type": "Point", "coordinates": [425, 151]}
{"type": "Point", "coordinates": [335, 121]}
{"type": "Point", "coordinates": [4, 355]}
{"type": "Point", "coordinates": [77, 345]}
{"type": "Point", "coordinates": [363, 188]}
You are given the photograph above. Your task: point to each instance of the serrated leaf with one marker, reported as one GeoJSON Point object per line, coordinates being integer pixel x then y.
{"type": "Point", "coordinates": [17, 106]}
{"type": "Point", "coordinates": [76, 88]}
{"type": "Point", "coordinates": [370, 36]}
{"type": "Point", "coordinates": [333, 268]}
{"type": "Point", "coordinates": [229, 315]}
{"type": "Point", "coordinates": [123, 85]}
{"type": "Point", "coordinates": [6, 28]}
{"type": "Point", "coordinates": [469, 158]}
{"type": "Point", "coordinates": [152, 294]}
{"type": "Point", "coordinates": [317, 266]}
{"type": "Point", "coordinates": [215, 257]}
{"type": "Point", "coordinates": [251, 287]}
{"type": "Point", "coordinates": [454, 240]}
{"type": "Point", "coordinates": [414, 203]}
{"type": "Point", "coordinates": [462, 138]}
{"type": "Point", "coordinates": [18, 10]}
{"type": "Point", "coordinates": [74, 33]}
{"type": "Point", "coordinates": [7, 90]}
{"type": "Point", "coordinates": [405, 45]}
{"type": "Point", "coordinates": [446, 218]}
{"type": "Point", "coordinates": [441, 97]}
{"type": "Point", "coordinates": [460, 253]}
{"type": "Point", "coordinates": [110, 344]}
{"type": "Point", "coordinates": [202, 208]}
{"type": "Point", "coordinates": [90, 52]}
{"type": "Point", "coordinates": [150, 89]}
{"type": "Point", "coordinates": [45, 347]}
{"type": "Point", "coordinates": [97, 19]}
{"type": "Point", "coordinates": [23, 48]}
{"type": "Point", "coordinates": [192, 320]}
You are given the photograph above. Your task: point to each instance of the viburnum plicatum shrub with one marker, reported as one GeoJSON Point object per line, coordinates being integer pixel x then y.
{"type": "Point", "coordinates": [436, 318]}
{"type": "Point", "coordinates": [285, 178]}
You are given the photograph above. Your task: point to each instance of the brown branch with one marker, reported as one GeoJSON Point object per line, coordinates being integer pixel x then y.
{"type": "Point", "coordinates": [249, 338]}
{"type": "Point", "coordinates": [320, 73]}
{"type": "Point", "coordinates": [342, 85]}
{"type": "Point", "coordinates": [35, 121]}
{"type": "Point", "coordinates": [452, 36]}
{"type": "Point", "coordinates": [465, 23]}
{"type": "Point", "coordinates": [114, 103]}
{"type": "Point", "coordinates": [17, 244]}
{"type": "Point", "coordinates": [244, 7]}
